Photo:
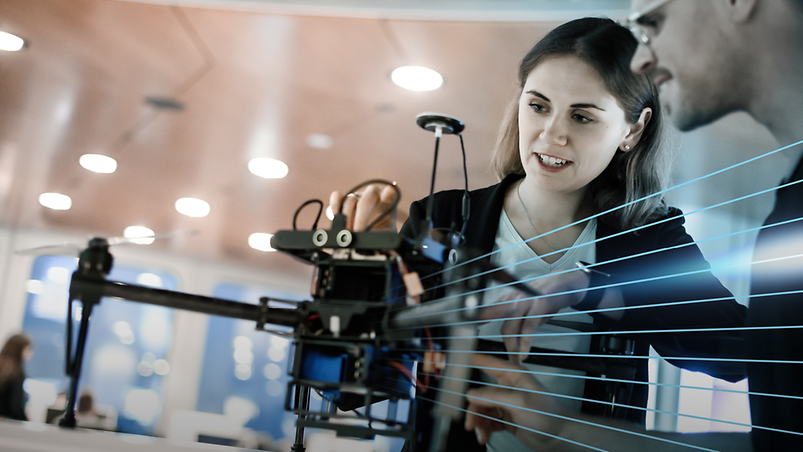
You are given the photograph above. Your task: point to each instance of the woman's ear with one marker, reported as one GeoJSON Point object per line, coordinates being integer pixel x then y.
{"type": "Point", "coordinates": [636, 130]}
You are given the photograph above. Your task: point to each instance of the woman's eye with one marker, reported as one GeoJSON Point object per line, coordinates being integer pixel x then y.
{"type": "Point", "coordinates": [581, 119]}
{"type": "Point", "coordinates": [538, 108]}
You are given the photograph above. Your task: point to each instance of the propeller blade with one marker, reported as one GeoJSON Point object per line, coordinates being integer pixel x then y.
{"type": "Point", "coordinates": [67, 249]}
{"type": "Point", "coordinates": [74, 249]}
{"type": "Point", "coordinates": [148, 239]}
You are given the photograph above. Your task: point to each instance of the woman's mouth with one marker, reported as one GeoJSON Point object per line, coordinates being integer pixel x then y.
{"type": "Point", "coordinates": [552, 162]}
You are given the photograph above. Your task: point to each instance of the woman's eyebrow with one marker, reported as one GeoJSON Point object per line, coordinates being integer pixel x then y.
{"type": "Point", "coordinates": [541, 96]}
{"type": "Point", "coordinates": [587, 106]}
{"type": "Point", "coordinates": [537, 94]}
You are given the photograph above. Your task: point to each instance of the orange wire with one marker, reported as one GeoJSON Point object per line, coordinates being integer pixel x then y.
{"type": "Point", "coordinates": [409, 375]}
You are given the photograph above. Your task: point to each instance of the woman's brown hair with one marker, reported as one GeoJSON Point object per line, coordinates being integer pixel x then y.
{"type": "Point", "coordinates": [630, 177]}
{"type": "Point", "coordinates": [11, 357]}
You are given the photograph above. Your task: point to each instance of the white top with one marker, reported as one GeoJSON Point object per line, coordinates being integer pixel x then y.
{"type": "Point", "coordinates": [514, 251]}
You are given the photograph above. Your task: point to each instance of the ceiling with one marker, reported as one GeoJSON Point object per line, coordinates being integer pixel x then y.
{"type": "Point", "coordinates": [255, 79]}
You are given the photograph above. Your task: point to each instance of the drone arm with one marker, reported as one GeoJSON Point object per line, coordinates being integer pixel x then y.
{"type": "Point", "coordinates": [187, 302]}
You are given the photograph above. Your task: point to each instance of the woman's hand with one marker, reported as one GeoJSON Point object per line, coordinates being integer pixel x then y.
{"type": "Point", "coordinates": [524, 313]}
{"type": "Point", "coordinates": [362, 208]}
{"type": "Point", "coordinates": [489, 403]}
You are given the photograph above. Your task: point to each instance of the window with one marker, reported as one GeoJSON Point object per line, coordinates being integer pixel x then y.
{"type": "Point", "coordinates": [244, 374]}
{"type": "Point", "coordinates": [125, 357]}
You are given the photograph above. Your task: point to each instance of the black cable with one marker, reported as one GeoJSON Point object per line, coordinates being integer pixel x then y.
{"type": "Point", "coordinates": [466, 206]}
{"type": "Point", "coordinates": [317, 218]}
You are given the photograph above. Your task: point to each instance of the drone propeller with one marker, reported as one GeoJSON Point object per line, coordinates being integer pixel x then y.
{"type": "Point", "coordinates": [74, 249]}
{"type": "Point", "coordinates": [67, 250]}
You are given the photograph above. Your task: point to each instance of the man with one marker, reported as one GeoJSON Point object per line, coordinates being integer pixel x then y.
{"type": "Point", "coordinates": [709, 58]}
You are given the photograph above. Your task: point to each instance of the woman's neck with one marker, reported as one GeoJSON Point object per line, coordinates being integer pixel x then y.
{"type": "Point", "coordinates": [541, 218]}
{"type": "Point", "coordinates": [551, 210]}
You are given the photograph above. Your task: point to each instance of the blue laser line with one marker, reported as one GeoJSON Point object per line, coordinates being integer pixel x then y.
{"type": "Point", "coordinates": [628, 232]}
{"type": "Point", "coordinates": [622, 405]}
{"type": "Point", "coordinates": [586, 355]}
{"type": "Point", "coordinates": [594, 333]}
{"type": "Point", "coordinates": [783, 148]}
{"type": "Point", "coordinates": [593, 424]}
{"type": "Point", "coordinates": [606, 286]}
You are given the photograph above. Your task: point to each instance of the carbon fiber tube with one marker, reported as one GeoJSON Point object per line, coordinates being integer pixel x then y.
{"type": "Point", "coordinates": [185, 301]}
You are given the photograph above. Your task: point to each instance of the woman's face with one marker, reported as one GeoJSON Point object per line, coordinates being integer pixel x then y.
{"type": "Point", "coordinates": [27, 353]}
{"type": "Point", "coordinates": [570, 126]}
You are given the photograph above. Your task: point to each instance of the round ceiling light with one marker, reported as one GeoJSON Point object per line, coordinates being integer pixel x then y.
{"type": "Point", "coordinates": [268, 168]}
{"type": "Point", "coordinates": [98, 163]}
{"type": "Point", "coordinates": [10, 42]}
{"type": "Point", "coordinates": [319, 141]}
{"type": "Point", "coordinates": [192, 207]}
{"type": "Point", "coordinates": [55, 201]}
{"type": "Point", "coordinates": [260, 241]}
{"type": "Point", "coordinates": [139, 235]}
{"type": "Point", "coordinates": [416, 78]}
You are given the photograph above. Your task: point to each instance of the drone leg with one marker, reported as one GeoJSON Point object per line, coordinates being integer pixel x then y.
{"type": "Point", "coordinates": [74, 365]}
{"type": "Point", "coordinates": [302, 403]}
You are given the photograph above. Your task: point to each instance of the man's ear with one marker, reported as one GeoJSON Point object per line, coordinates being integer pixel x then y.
{"type": "Point", "coordinates": [636, 130]}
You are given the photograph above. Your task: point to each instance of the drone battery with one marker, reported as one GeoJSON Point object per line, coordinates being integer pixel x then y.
{"type": "Point", "coordinates": [351, 375]}
{"type": "Point", "coordinates": [327, 365]}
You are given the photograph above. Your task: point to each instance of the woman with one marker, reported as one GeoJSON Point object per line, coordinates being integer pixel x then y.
{"type": "Point", "coordinates": [17, 349]}
{"type": "Point", "coordinates": [579, 155]}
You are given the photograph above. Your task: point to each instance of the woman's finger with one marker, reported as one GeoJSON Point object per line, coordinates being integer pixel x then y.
{"type": "Point", "coordinates": [388, 195]}
{"type": "Point", "coordinates": [480, 420]}
{"type": "Point", "coordinates": [366, 204]}
{"type": "Point", "coordinates": [334, 201]}
{"type": "Point", "coordinates": [523, 410]}
{"type": "Point", "coordinates": [505, 372]}
{"type": "Point", "coordinates": [348, 209]}
{"type": "Point", "coordinates": [536, 316]}
{"type": "Point", "coordinates": [510, 330]}
{"type": "Point", "coordinates": [501, 309]}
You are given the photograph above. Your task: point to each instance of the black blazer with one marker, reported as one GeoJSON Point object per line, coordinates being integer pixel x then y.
{"type": "Point", "coordinates": [772, 273]}
{"type": "Point", "coordinates": [657, 252]}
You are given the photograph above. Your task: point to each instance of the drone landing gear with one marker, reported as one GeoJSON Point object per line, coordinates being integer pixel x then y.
{"type": "Point", "coordinates": [94, 263]}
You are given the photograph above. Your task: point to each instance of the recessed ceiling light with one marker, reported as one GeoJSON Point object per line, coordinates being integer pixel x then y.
{"type": "Point", "coordinates": [260, 241]}
{"type": "Point", "coordinates": [55, 201]}
{"type": "Point", "coordinates": [192, 207]}
{"type": "Point", "coordinates": [139, 235]}
{"type": "Point", "coordinates": [268, 168]}
{"type": "Point", "coordinates": [416, 78]}
{"type": "Point", "coordinates": [10, 42]}
{"type": "Point", "coordinates": [98, 163]}
{"type": "Point", "coordinates": [319, 141]}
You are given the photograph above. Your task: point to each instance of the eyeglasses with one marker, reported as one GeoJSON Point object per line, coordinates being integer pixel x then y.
{"type": "Point", "coordinates": [636, 18]}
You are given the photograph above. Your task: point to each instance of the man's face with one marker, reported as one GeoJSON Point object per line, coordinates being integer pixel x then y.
{"type": "Point", "coordinates": [683, 58]}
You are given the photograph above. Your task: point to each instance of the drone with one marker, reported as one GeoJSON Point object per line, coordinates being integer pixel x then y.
{"type": "Point", "coordinates": [356, 342]}
{"type": "Point", "coordinates": [364, 333]}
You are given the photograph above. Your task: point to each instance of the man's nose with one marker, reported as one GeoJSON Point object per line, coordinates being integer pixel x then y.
{"type": "Point", "coordinates": [643, 60]}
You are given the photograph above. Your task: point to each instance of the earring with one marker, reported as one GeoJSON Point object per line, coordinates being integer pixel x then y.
{"type": "Point", "coordinates": [627, 147]}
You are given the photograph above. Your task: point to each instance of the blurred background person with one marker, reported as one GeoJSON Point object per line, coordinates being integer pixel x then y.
{"type": "Point", "coordinates": [15, 352]}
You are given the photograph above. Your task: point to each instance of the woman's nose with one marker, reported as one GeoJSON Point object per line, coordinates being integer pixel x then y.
{"type": "Point", "coordinates": [555, 132]}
